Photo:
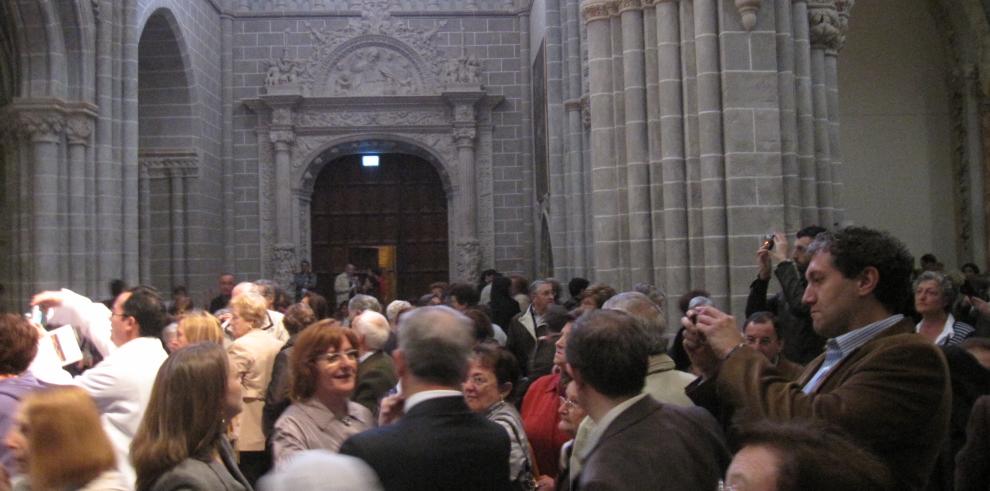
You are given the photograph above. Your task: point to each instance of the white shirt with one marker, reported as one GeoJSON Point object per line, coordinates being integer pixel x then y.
{"type": "Point", "coordinates": [121, 383]}
{"type": "Point", "coordinates": [427, 395]}
{"type": "Point", "coordinates": [947, 330]}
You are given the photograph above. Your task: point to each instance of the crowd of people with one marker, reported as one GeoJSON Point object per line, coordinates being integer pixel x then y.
{"type": "Point", "coordinates": [859, 373]}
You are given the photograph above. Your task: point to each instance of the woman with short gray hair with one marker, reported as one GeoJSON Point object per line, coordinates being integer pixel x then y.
{"type": "Point", "coordinates": [934, 296]}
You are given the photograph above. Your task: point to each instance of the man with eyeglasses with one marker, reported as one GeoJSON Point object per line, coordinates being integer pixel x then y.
{"type": "Point", "coordinates": [762, 333]}
{"type": "Point", "coordinates": [128, 337]}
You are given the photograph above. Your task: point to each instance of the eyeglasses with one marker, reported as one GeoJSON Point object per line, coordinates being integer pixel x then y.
{"type": "Point", "coordinates": [114, 314]}
{"type": "Point", "coordinates": [724, 486]}
{"type": "Point", "coordinates": [567, 403]}
{"type": "Point", "coordinates": [335, 358]}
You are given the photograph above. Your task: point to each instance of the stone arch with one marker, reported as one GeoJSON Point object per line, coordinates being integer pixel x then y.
{"type": "Point", "coordinates": [41, 49]}
{"type": "Point", "coordinates": [168, 139]}
{"type": "Point", "coordinates": [329, 71]}
{"type": "Point", "coordinates": [372, 142]}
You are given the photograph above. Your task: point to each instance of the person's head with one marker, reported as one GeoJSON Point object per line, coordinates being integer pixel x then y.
{"type": "Point", "coordinates": [248, 311]}
{"type": "Point", "coordinates": [492, 375]}
{"type": "Point", "coordinates": [856, 274]}
{"type": "Point", "coordinates": [138, 312]}
{"type": "Point", "coordinates": [308, 469]}
{"type": "Point", "coordinates": [501, 286]}
{"type": "Point", "coordinates": [180, 292]}
{"type": "Point", "coordinates": [576, 286]}
{"type": "Point", "coordinates": [487, 276]}
{"type": "Point", "coordinates": [323, 362]}
{"type": "Point", "coordinates": [305, 267]}
{"type": "Point", "coordinates": [18, 344]}
{"type": "Point", "coordinates": [439, 289]}
{"type": "Point", "coordinates": [434, 345]}
{"type": "Point", "coordinates": [197, 326]}
{"type": "Point", "coordinates": [571, 413]}
{"type": "Point", "coordinates": [934, 293]}
{"type": "Point", "coordinates": [361, 302]}
{"type": "Point", "coordinates": [394, 309]}
{"type": "Point", "coordinates": [58, 441]}
{"type": "Point", "coordinates": [194, 395]}
{"type": "Point", "coordinates": [372, 329]}
{"type": "Point", "coordinates": [460, 296]}
{"type": "Point", "coordinates": [560, 346]}
{"type": "Point", "coordinates": [349, 269]}
{"type": "Point", "coordinates": [608, 353]}
{"type": "Point", "coordinates": [656, 295]}
{"type": "Point", "coordinates": [267, 289]}
{"type": "Point", "coordinates": [242, 288]}
{"type": "Point", "coordinates": [595, 296]}
{"type": "Point", "coordinates": [970, 270]}
{"type": "Point", "coordinates": [556, 317]}
{"type": "Point", "coordinates": [297, 317]}
{"type": "Point", "coordinates": [684, 301]}
{"type": "Point", "coordinates": [762, 333]}
{"type": "Point", "coordinates": [541, 295]}
{"type": "Point", "coordinates": [646, 312]}
{"type": "Point", "coordinates": [117, 286]}
{"type": "Point", "coordinates": [226, 283]}
{"type": "Point", "coordinates": [929, 262]}
{"type": "Point", "coordinates": [318, 303]}
{"type": "Point", "coordinates": [481, 322]}
{"type": "Point", "coordinates": [519, 285]}
{"type": "Point", "coordinates": [802, 456]}
{"type": "Point", "coordinates": [804, 238]}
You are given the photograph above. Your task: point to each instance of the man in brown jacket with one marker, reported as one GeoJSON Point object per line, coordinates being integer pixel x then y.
{"type": "Point", "coordinates": [878, 381]}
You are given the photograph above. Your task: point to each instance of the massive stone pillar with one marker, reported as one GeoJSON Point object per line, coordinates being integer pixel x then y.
{"type": "Point", "coordinates": [44, 129]}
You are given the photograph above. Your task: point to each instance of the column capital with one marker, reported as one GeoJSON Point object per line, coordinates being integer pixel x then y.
{"type": "Point", "coordinates": [653, 3]}
{"type": "Point", "coordinates": [748, 10]}
{"type": "Point", "coordinates": [40, 125]}
{"type": "Point", "coordinates": [823, 21]}
{"type": "Point", "coordinates": [282, 138]}
{"type": "Point", "coordinates": [464, 136]}
{"type": "Point", "coordinates": [593, 10]}
{"type": "Point", "coordinates": [78, 127]}
{"type": "Point", "coordinates": [624, 5]}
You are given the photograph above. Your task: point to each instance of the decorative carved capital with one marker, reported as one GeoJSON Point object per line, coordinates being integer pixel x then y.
{"type": "Point", "coordinates": [40, 126]}
{"type": "Point", "coordinates": [282, 137]}
{"type": "Point", "coordinates": [464, 113]}
{"type": "Point", "coordinates": [593, 10]}
{"type": "Point", "coordinates": [613, 8]}
{"type": "Point", "coordinates": [748, 10]}
{"type": "Point", "coordinates": [624, 5]}
{"type": "Point", "coordinates": [844, 8]}
{"type": "Point", "coordinates": [78, 128]}
{"type": "Point", "coordinates": [464, 136]}
{"type": "Point", "coordinates": [823, 21]}
{"type": "Point", "coordinates": [165, 163]}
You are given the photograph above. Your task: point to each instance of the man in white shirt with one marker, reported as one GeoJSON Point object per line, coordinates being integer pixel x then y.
{"type": "Point", "coordinates": [128, 337]}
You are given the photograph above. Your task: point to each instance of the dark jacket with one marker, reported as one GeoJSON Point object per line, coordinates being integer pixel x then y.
{"type": "Point", "coordinates": [195, 475]}
{"type": "Point", "coordinates": [375, 376]}
{"type": "Point", "coordinates": [658, 447]}
{"type": "Point", "coordinates": [438, 445]}
{"type": "Point", "coordinates": [801, 343]}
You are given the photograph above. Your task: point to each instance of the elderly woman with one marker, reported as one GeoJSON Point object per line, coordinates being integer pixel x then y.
{"type": "Point", "coordinates": [595, 296]}
{"type": "Point", "coordinates": [252, 355]}
{"type": "Point", "coordinates": [934, 296]}
{"type": "Point", "coordinates": [59, 443]}
{"type": "Point", "coordinates": [182, 443]}
{"type": "Point", "coordinates": [323, 367]}
{"type": "Point", "coordinates": [197, 326]}
{"type": "Point", "coordinates": [18, 345]}
{"type": "Point", "coordinates": [491, 376]}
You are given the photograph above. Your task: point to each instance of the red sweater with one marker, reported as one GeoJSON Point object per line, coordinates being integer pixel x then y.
{"type": "Point", "coordinates": [540, 418]}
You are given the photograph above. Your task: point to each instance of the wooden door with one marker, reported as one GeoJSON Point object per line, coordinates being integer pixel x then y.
{"type": "Point", "coordinates": [400, 203]}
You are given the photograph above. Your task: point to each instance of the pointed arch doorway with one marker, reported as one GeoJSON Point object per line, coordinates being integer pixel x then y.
{"type": "Point", "coordinates": [393, 216]}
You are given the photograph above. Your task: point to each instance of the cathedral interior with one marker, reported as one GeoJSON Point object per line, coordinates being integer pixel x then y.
{"type": "Point", "coordinates": [626, 141]}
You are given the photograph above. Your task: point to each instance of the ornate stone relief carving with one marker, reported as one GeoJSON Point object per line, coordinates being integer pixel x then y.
{"type": "Point", "coordinates": [595, 10]}
{"type": "Point", "coordinates": [468, 260]}
{"type": "Point", "coordinates": [162, 164]}
{"type": "Point", "coordinates": [844, 7]}
{"type": "Point", "coordinates": [78, 128]}
{"type": "Point", "coordinates": [316, 6]}
{"type": "Point", "coordinates": [284, 71]}
{"type": "Point", "coordinates": [465, 70]}
{"type": "Point", "coordinates": [351, 118]}
{"type": "Point", "coordinates": [283, 262]}
{"type": "Point", "coordinates": [39, 125]}
{"type": "Point", "coordinates": [823, 20]}
{"type": "Point", "coordinates": [374, 70]}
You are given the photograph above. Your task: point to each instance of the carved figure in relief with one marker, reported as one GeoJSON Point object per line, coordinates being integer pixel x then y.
{"type": "Point", "coordinates": [283, 70]}
{"type": "Point", "coordinates": [374, 71]}
{"type": "Point", "coordinates": [463, 70]}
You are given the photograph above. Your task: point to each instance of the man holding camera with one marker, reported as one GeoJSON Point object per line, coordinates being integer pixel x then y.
{"type": "Point", "coordinates": [793, 317]}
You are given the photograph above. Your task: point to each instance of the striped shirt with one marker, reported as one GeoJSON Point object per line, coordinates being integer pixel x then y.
{"type": "Point", "coordinates": [836, 349]}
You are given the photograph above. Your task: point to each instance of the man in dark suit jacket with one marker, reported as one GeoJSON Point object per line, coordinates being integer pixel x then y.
{"type": "Point", "coordinates": [376, 371]}
{"type": "Point", "coordinates": [881, 383]}
{"type": "Point", "coordinates": [637, 442]}
{"type": "Point", "coordinates": [438, 443]}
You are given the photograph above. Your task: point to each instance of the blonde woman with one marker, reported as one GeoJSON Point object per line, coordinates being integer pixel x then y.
{"type": "Point", "coordinates": [252, 355]}
{"type": "Point", "coordinates": [197, 326]}
{"type": "Point", "coordinates": [59, 443]}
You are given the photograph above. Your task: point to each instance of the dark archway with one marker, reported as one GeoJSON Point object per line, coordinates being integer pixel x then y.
{"type": "Point", "coordinates": [393, 215]}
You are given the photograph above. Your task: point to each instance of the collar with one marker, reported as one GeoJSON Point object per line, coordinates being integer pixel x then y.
{"type": "Point", "coordinates": [324, 416]}
{"type": "Point", "coordinates": [365, 356]}
{"type": "Point", "coordinates": [852, 340]}
{"type": "Point", "coordinates": [660, 363]}
{"type": "Point", "coordinates": [426, 395]}
{"type": "Point", "coordinates": [602, 425]}
{"type": "Point", "coordinates": [947, 330]}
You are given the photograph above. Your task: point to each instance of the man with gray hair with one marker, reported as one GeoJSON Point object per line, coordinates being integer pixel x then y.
{"type": "Point", "coordinates": [360, 303]}
{"type": "Point", "coordinates": [663, 381]}
{"type": "Point", "coordinates": [438, 443]}
{"type": "Point", "coordinates": [528, 326]}
{"type": "Point", "coordinates": [376, 371]}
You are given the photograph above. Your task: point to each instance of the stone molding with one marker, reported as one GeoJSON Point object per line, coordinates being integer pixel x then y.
{"type": "Point", "coordinates": [592, 10]}
{"type": "Point", "coordinates": [747, 11]}
{"type": "Point", "coordinates": [624, 5]}
{"type": "Point", "coordinates": [412, 6]}
{"type": "Point", "coordinates": [165, 163]}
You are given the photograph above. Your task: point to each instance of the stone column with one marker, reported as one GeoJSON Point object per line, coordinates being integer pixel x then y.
{"type": "Point", "coordinates": [78, 130]}
{"type": "Point", "coordinates": [467, 248]}
{"type": "Point", "coordinates": [637, 143]}
{"type": "Point", "coordinates": [177, 209]}
{"type": "Point", "coordinates": [44, 128]}
{"type": "Point", "coordinates": [144, 224]}
{"type": "Point", "coordinates": [824, 32]}
{"type": "Point", "coordinates": [788, 115]}
{"type": "Point", "coordinates": [805, 113]}
{"type": "Point", "coordinates": [283, 255]}
{"type": "Point", "coordinates": [575, 176]}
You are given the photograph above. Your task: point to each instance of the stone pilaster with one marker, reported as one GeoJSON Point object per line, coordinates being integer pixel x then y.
{"type": "Point", "coordinates": [44, 128]}
{"type": "Point", "coordinates": [467, 260]}
{"type": "Point", "coordinates": [283, 254]}
{"type": "Point", "coordinates": [78, 130]}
